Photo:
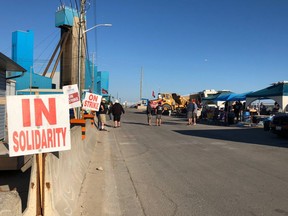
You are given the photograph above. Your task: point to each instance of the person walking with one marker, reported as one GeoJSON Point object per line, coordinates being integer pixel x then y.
{"type": "Point", "coordinates": [190, 109]}
{"type": "Point", "coordinates": [117, 111]}
{"type": "Point", "coordinates": [149, 113]}
{"type": "Point", "coordinates": [110, 110]}
{"type": "Point", "coordinates": [159, 111]}
{"type": "Point", "coordinates": [102, 114]}
{"type": "Point", "coordinates": [194, 113]}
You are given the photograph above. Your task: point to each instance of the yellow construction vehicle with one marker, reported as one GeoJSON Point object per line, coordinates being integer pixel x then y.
{"type": "Point", "coordinates": [171, 102]}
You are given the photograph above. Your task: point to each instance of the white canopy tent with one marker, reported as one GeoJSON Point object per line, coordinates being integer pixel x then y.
{"type": "Point", "coordinates": [277, 92]}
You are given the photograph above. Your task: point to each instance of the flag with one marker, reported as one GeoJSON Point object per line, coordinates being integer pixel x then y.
{"type": "Point", "coordinates": [104, 91]}
{"type": "Point", "coordinates": [153, 94]}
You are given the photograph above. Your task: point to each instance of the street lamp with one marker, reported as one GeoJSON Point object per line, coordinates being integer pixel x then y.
{"type": "Point", "coordinates": [80, 51]}
{"type": "Point", "coordinates": [105, 24]}
{"type": "Point", "coordinates": [98, 25]}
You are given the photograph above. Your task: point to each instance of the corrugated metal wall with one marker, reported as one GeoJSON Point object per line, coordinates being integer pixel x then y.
{"type": "Point", "coordinates": [10, 87]}
{"type": "Point", "coordinates": [2, 104]}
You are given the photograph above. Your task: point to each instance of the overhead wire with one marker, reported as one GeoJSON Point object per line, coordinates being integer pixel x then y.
{"type": "Point", "coordinates": [95, 32]}
{"type": "Point", "coordinates": [66, 17]}
{"type": "Point", "coordinates": [87, 49]}
{"type": "Point", "coordinates": [49, 44]}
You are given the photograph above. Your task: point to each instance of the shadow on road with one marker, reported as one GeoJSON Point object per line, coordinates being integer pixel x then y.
{"type": "Point", "coordinates": [243, 136]}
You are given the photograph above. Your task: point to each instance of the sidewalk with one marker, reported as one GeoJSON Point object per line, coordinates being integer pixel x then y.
{"type": "Point", "coordinates": [107, 189]}
{"type": "Point", "coordinates": [98, 194]}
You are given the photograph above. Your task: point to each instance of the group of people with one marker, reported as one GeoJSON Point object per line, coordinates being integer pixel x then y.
{"type": "Point", "coordinates": [191, 113]}
{"type": "Point", "coordinates": [158, 111]}
{"type": "Point", "coordinates": [115, 110]}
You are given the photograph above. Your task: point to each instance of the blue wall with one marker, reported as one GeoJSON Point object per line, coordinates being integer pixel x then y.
{"type": "Point", "coordinates": [101, 79]}
{"type": "Point", "coordinates": [90, 74]}
{"type": "Point", "coordinates": [22, 48]}
{"type": "Point", "coordinates": [65, 16]}
{"type": "Point", "coordinates": [22, 53]}
{"type": "Point", "coordinates": [102, 83]}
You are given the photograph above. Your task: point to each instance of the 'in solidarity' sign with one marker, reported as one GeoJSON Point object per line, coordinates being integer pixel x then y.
{"type": "Point", "coordinates": [38, 124]}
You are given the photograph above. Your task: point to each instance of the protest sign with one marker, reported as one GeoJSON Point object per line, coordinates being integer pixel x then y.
{"type": "Point", "coordinates": [38, 124]}
{"type": "Point", "coordinates": [73, 94]}
{"type": "Point", "coordinates": [91, 102]}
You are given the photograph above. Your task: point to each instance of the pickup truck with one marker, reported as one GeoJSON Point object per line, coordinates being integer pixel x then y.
{"type": "Point", "coordinates": [279, 124]}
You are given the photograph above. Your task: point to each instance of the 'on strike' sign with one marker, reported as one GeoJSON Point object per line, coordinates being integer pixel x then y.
{"type": "Point", "coordinates": [91, 102]}
{"type": "Point", "coordinates": [38, 124]}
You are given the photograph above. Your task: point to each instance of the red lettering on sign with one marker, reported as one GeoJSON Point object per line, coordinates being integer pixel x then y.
{"type": "Point", "coordinates": [39, 139]}
{"type": "Point", "coordinates": [40, 109]}
{"type": "Point", "coordinates": [74, 97]}
{"type": "Point", "coordinates": [49, 138]}
{"type": "Point", "coordinates": [93, 97]}
{"type": "Point", "coordinates": [15, 140]}
{"type": "Point", "coordinates": [22, 140]}
{"type": "Point", "coordinates": [26, 116]}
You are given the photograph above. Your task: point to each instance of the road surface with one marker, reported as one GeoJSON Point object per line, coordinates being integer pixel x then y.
{"type": "Point", "coordinates": [175, 169]}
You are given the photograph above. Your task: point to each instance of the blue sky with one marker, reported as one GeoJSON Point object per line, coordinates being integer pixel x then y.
{"type": "Point", "coordinates": [183, 46]}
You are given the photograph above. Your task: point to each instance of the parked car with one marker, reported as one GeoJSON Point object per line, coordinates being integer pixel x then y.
{"type": "Point", "coordinates": [279, 124]}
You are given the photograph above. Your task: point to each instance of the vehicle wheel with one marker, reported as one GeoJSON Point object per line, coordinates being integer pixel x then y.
{"type": "Point", "coordinates": [166, 107]}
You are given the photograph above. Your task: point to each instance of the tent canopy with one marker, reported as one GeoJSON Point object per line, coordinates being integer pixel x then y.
{"type": "Point", "coordinates": [228, 96]}
{"type": "Point", "coordinates": [238, 97]}
{"type": "Point", "coordinates": [278, 89]}
{"type": "Point", "coordinates": [224, 96]}
{"type": "Point", "coordinates": [277, 92]}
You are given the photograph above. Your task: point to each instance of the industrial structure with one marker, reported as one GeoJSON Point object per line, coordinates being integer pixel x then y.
{"type": "Point", "coordinates": [22, 53]}
{"type": "Point", "coordinates": [69, 56]}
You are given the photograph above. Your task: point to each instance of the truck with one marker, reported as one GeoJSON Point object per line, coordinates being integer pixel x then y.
{"type": "Point", "coordinates": [171, 102]}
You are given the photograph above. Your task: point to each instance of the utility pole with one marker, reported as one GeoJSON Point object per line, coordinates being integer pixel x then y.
{"type": "Point", "coordinates": [92, 87]}
{"type": "Point", "coordinates": [80, 51]}
{"type": "Point", "coordinates": [141, 81]}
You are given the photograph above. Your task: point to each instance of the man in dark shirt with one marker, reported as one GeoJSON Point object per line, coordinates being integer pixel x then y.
{"type": "Point", "coordinates": [149, 113]}
{"type": "Point", "coordinates": [102, 114]}
{"type": "Point", "coordinates": [117, 111]}
{"type": "Point", "coordinates": [190, 109]}
{"type": "Point", "coordinates": [159, 111]}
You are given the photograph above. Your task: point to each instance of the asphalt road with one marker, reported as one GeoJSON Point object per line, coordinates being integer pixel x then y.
{"type": "Point", "coordinates": [175, 169]}
{"type": "Point", "coordinates": [200, 170]}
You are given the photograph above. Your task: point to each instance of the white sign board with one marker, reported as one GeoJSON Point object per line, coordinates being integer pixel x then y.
{"type": "Point", "coordinates": [38, 124]}
{"type": "Point", "coordinates": [73, 94]}
{"type": "Point", "coordinates": [91, 102]}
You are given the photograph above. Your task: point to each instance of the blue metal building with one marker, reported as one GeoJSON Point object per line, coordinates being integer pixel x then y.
{"type": "Point", "coordinates": [90, 77]}
{"type": "Point", "coordinates": [22, 53]}
{"type": "Point", "coordinates": [102, 83]}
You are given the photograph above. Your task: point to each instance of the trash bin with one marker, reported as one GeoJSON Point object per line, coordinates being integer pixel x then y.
{"type": "Point", "coordinates": [246, 116]}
